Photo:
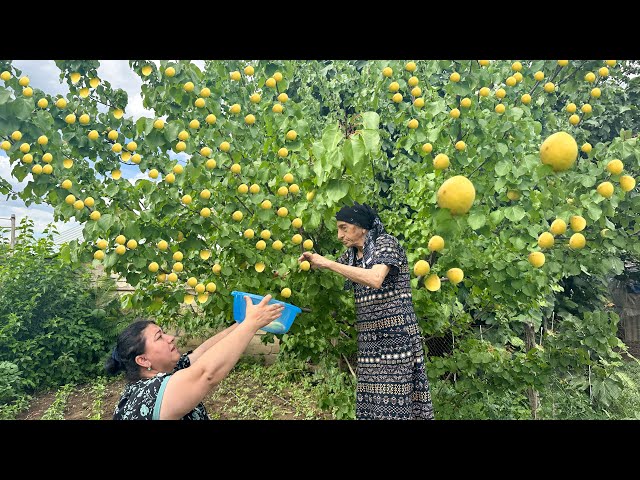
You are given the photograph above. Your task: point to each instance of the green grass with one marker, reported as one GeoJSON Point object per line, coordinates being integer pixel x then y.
{"type": "Point", "coordinates": [97, 389]}
{"type": "Point", "coordinates": [56, 410]}
{"type": "Point", "coordinates": [12, 410]}
{"type": "Point", "coordinates": [255, 391]}
{"type": "Point", "coordinates": [293, 389]}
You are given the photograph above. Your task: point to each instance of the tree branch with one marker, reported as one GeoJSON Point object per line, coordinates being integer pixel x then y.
{"type": "Point", "coordinates": [478, 168]}
{"type": "Point", "coordinates": [97, 100]}
{"type": "Point", "coordinates": [245, 207]}
{"type": "Point", "coordinates": [349, 365]}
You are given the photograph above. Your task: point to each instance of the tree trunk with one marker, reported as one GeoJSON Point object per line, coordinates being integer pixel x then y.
{"type": "Point", "coordinates": [534, 399]}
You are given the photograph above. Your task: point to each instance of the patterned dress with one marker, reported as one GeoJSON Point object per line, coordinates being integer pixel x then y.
{"type": "Point", "coordinates": [392, 383]}
{"type": "Point", "coordinates": [141, 400]}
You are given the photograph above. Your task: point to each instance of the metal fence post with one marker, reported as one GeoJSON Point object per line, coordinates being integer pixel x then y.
{"type": "Point", "coordinates": [12, 241]}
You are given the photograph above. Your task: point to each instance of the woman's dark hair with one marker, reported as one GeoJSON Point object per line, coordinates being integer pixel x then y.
{"type": "Point", "coordinates": [130, 344]}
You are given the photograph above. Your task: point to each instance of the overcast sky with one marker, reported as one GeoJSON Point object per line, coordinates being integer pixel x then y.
{"type": "Point", "coordinates": [45, 75]}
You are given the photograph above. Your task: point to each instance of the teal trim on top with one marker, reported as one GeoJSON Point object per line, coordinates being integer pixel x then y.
{"type": "Point", "coordinates": [156, 408]}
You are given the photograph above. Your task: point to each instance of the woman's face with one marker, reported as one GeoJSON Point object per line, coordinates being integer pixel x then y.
{"type": "Point", "coordinates": [351, 235]}
{"type": "Point", "coordinates": [160, 351]}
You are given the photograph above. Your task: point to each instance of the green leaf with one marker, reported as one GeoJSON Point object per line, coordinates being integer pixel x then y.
{"type": "Point", "coordinates": [155, 139]}
{"type": "Point", "coordinates": [331, 137]}
{"type": "Point", "coordinates": [139, 262]}
{"type": "Point", "coordinates": [319, 171]}
{"type": "Point", "coordinates": [499, 184]}
{"type": "Point", "coordinates": [370, 120]}
{"type": "Point", "coordinates": [496, 216]}
{"type": "Point", "coordinates": [334, 159]}
{"type": "Point", "coordinates": [614, 265]}
{"type": "Point", "coordinates": [106, 221]}
{"type": "Point", "coordinates": [371, 140]}
{"type": "Point", "coordinates": [133, 278]}
{"type": "Point", "coordinates": [516, 113]}
{"type": "Point", "coordinates": [111, 189]}
{"type": "Point", "coordinates": [519, 243]}
{"type": "Point", "coordinates": [19, 172]}
{"type": "Point", "coordinates": [337, 190]}
{"type": "Point", "coordinates": [22, 108]}
{"type": "Point", "coordinates": [43, 120]}
{"type": "Point", "coordinates": [434, 133]}
{"type": "Point", "coordinates": [314, 220]}
{"type": "Point", "coordinates": [302, 128]}
{"type": "Point", "coordinates": [353, 152]}
{"type": "Point", "coordinates": [89, 230]}
{"type": "Point", "coordinates": [65, 253]}
{"type": "Point", "coordinates": [476, 221]}
{"type": "Point", "coordinates": [531, 161]}
{"type": "Point", "coordinates": [5, 187]}
{"type": "Point", "coordinates": [436, 107]}
{"type": "Point", "coordinates": [503, 167]}
{"type": "Point", "coordinates": [264, 215]}
{"type": "Point", "coordinates": [68, 136]}
{"type": "Point", "coordinates": [140, 126]}
{"type": "Point", "coordinates": [515, 214]}
{"type": "Point", "coordinates": [132, 231]}
{"type": "Point", "coordinates": [459, 89]}
{"type": "Point", "coordinates": [318, 150]}
{"type": "Point", "coordinates": [110, 259]}
{"type": "Point", "coordinates": [537, 128]}
{"type": "Point", "coordinates": [594, 211]}
{"type": "Point", "coordinates": [4, 95]}
{"type": "Point", "coordinates": [588, 181]}
{"type": "Point", "coordinates": [144, 126]}
{"type": "Point", "coordinates": [171, 132]}
{"type": "Point", "coordinates": [283, 223]}
{"type": "Point", "coordinates": [8, 122]}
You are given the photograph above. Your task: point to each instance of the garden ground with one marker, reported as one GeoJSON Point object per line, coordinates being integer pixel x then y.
{"type": "Point", "coordinates": [253, 390]}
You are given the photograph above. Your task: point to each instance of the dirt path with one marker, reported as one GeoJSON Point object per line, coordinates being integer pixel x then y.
{"type": "Point", "coordinates": [247, 393]}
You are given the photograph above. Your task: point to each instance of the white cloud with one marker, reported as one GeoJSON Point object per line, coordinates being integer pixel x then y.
{"type": "Point", "coordinates": [45, 75]}
{"type": "Point", "coordinates": [139, 176]}
{"type": "Point", "coordinates": [5, 172]}
{"type": "Point", "coordinates": [136, 110]}
{"type": "Point", "coordinates": [199, 63]}
{"type": "Point", "coordinates": [41, 214]}
{"type": "Point", "coordinates": [120, 75]}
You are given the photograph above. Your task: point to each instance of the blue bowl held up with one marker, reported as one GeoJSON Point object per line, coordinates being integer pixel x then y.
{"type": "Point", "coordinates": [279, 326]}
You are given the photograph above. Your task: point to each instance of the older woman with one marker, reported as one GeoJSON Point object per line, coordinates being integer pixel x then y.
{"type": "Point", "coordinates": [392, 383]}
{"type": "Point", "coordinates": [165, 385]}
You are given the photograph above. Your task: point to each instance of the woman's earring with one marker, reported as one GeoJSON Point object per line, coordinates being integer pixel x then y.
{"type": "Point", "coordinates": [149, 368]}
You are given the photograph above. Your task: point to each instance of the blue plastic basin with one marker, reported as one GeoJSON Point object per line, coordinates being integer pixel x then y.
{"type": "Point", "coordinates": [280, 325]}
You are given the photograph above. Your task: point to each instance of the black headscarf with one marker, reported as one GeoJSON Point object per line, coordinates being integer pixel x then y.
{"type": "Point", "coordinates": [361, 215]}
{"type": "Point", "coordinates": [365, 217]}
